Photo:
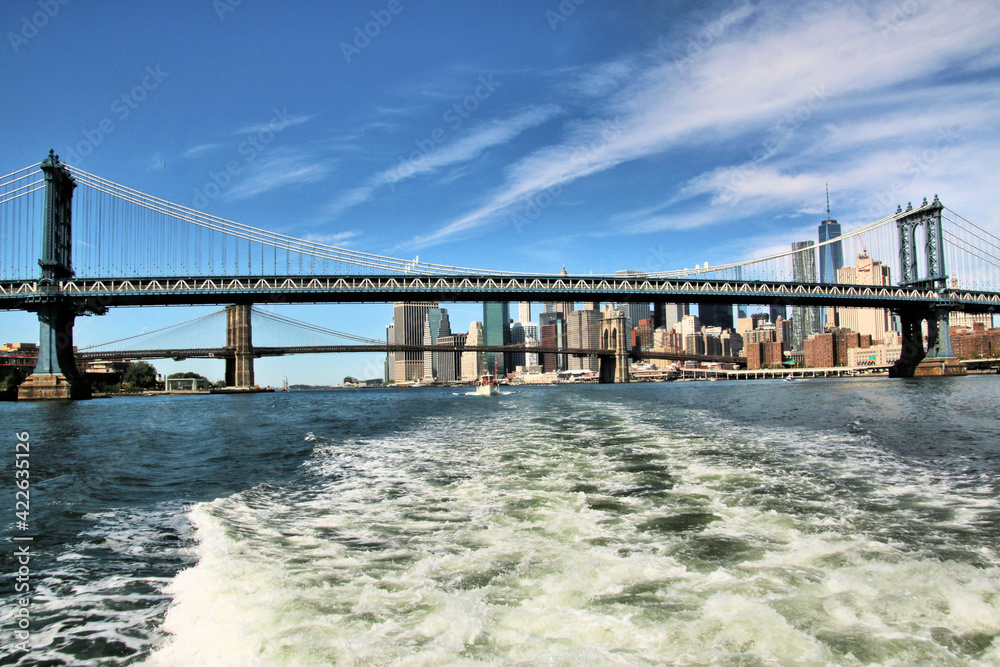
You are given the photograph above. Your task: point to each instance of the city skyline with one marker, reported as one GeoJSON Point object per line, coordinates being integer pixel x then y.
{"type": "Point", "coordinates": [522, 137]}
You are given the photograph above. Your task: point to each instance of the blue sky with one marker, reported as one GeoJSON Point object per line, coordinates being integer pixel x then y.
{"type": "Point", "coordinates": [518, 135]}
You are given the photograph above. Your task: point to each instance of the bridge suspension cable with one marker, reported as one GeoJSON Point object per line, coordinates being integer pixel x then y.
{"type": "Point", "coordinates": [264, 237]}
{"type": "Point", "coordinates": [21, 204]}
{"type": "Point", "coordinates": [204, 331]}
{"type": "Point", "coordinates": [120, 232]}
{"type": "Point", "coordinates": [306, 326]}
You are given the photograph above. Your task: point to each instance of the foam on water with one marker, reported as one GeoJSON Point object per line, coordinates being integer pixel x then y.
{"type": "Point", "coordinates": [104, 596]}
{"type": "Point", "coordinates": [594, 535]}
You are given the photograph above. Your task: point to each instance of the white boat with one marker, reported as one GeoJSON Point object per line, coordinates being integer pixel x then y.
{"type": "Point", "coordinates": [487, 386]}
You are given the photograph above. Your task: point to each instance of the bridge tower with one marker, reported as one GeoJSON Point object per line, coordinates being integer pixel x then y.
{"type": "Point", "coordinates": [239, 338]}
{"type": "Point", "coordinates": [55, 375]}
{"type": "Point", "coordinates": [614, 369]}
{"type": "Point", "coordinates": [937, 359]}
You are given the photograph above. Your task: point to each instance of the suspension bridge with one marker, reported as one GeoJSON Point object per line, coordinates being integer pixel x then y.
{"type": "Point", "coordinates": [109, 246]}
{"type": "Point", "coordinates": [277, 335]}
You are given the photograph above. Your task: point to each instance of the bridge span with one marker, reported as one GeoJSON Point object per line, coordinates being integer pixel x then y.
{"type": "Point", "coordinates": [127, 248]}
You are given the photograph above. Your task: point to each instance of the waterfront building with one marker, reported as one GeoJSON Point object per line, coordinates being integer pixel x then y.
{"type": "Point", "coordinates": [875, 355]}
{"type": "Point", "coordinates": [976, 342]}
{"type": "Point", "coordinates": [831, 349]}
{"type": "Point", "coordinates": [806, 320]}
{"type": "Point", "coordinates": [408, 329]}
{"type": "Point", "coordinates": [496, 331]}
{"type": "Point", "coordinates": [764, 355]}
{"type": "Point", "coordinates": [819, 351]}
{"type": "Point", "coordinates": [584, 330]}
{"type": "Point", "coordinates": [872, 321]}
{"type": "Point", "coordinates": [473, 363]}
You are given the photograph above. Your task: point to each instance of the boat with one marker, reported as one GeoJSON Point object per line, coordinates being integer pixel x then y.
{"type": "Point", "coordinates": [487, 386]}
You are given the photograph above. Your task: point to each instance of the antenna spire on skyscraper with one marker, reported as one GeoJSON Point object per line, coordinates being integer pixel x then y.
{"type": "Point", "coordinates": [827, 201]}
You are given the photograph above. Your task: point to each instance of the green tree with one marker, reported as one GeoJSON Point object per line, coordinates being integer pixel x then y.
{"type": "Point", "coordinates": [140, 375]}
{"type": "Point", "coordinates": [185, 375]}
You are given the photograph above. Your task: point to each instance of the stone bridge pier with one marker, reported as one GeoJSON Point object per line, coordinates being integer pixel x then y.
{"type": "Point", "coordinates": [239, 338]}
{"type": "Point", "coordinates": [614, 369]}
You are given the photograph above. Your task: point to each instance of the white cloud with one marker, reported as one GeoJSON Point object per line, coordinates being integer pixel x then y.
{"type": "Point", "coordinates": [279, 120]}
{"type": "Point", "coordinates": [201, 149]}
{"type": "Point", "coordinates": [278, 168]}
{"type": "Point", "coordinates": [765, 77]}
{"type": "Point", "coordinates": [494, 133]}
{"type": "Point", "coordinates": [335, 239]}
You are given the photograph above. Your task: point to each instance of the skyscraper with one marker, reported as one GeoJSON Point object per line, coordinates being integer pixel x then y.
{"type": "Point", "coordinates": [517, 335]}
{"type": "Point", "coordinates": [552, 328]}
{"type": "Point", "coordinates": [408, 329]}
{"type": "Point", "coordinates": [874, 322]}
{"type": "Point", "coordinates": [716, 315]}
{"type": "Point", "coordinates": [496, 331]}
{"type": "Point", "coordinates": [584, 330]}
{"type": "Point", "coordinates": [668, 315]}
{"type": "Point", "coordinates": [472, 362]}
{"type": "Point", "coordinates": [805, 319]}
{"type": "Point", "coordinates": [831, 256]}
{"type": "Point", "coordinates": [436, 325]}
{"type": "Point", "coordinates": [524, 311]}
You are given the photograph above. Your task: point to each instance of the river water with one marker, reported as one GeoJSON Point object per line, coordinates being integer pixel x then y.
{"type": "Point", "coordinates": [844, 522]}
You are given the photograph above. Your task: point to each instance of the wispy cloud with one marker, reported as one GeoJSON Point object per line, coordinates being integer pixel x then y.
{"type": "Point", "coordinates": [488, 135]}
{"type": "Point", "coordinates": [279, 168]}
{"type": "Point", "coordinates": [285, 120]}
{"type": "Point", "coordinates": [770, 69]}
{"type": "Point", "coordinates": [201, 149]}
{"type": "Point", "coordinates": [341, 239]}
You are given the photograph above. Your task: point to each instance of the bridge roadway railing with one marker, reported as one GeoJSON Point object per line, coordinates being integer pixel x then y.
{"type": "Point", "coordinates": [228, 352]}
{"type": "Point", "coordinates": [110, 292]}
